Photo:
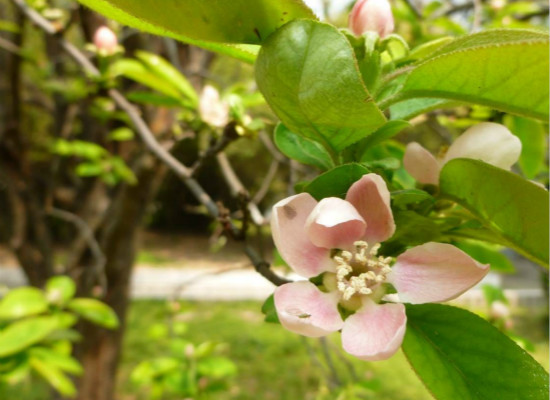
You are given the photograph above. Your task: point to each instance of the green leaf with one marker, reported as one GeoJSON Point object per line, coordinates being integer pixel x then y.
{"type": "Point", "coordinates": [23, 302]}
{"type": "Point", "coordinates": [459, 355]}
{"type": "Point", "coordinates": [25, 333]}
{"type": "Point", "coordinates": [336, 182]}
{"type": "Point", "coordinates": [54, 376]}
{"type": "Point", "coordinates": [60, 289]}
{"type": "Point", "coordinates": [121, 134]}
{"type": "Point", "coordinates": [89, 169]}
{"type": "Point", "coordinates": [217, 367]}
{"type": "Point", "coordinates": [513, 208]}
{"type": "Point", "coordinates": [487, 253]}
{"type": "Point", "coordinates": [308, 74]}
{"type": "Point", "coordinates": [301, 149]}
{"type": "Point", "coordinates": [408, 109]}
{"type": "Point", "coordinates": [51, 357]}
{"type": "Point", "coordinates": [533, 144]}
{"type": "Point", "coordinates": [166, 71]}
{"type": "Point", "coordinates": [156, 99]}
{"type": "Point", "coordinates": [238, 21]}
{"type": "Point", "coordinates": [246, 53]}
{"type": "Point", "coordinates": [403, 198]}
{"type": "Point", "coordinates": [385, 132]}
{"type": "Point", "coordinates": [94, 311]}
{"type": "Point", "coordinates": [268, 309]}
{"type": "Point", "coordinates": [470, 69]}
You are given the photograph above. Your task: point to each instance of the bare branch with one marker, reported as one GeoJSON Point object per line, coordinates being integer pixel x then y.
{"type": "Point", "coordinates": [266, 183]}
{"type": "Point", "coordinates": [229, 135]}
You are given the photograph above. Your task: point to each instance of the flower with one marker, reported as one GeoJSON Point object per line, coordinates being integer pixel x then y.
{"type": "Point", "coordinates": [105, 40]}
{"type": "Point", "coordinates": [340, 239]}
{"type": "Point", "coordinates": [487, 141]}
{"type": "Point", "coordinates": [212, 110]}
{"type": "Point", "coordinates": [371, 15]}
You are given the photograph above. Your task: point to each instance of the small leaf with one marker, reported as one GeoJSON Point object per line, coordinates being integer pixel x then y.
{"type": "Point", "coordinates": [23, 302]}
{"type": "Point", "coordinates": [51, 357]}
{"type": "Point", "coordinates": [302, 149]}
{"type": "Point", "coordinates": [60, 289]}
{"type": "Point", "coordinates": [94, 311]}
{"type": "Point", "coordinates": [217, 367]}
{"type": "Point", "coordinates": [513, 208]}
{"type": "Point", "coordinates": [308, 75]}
{"type": "Point", "coordinates": [25, 333]}
{"type": "Point", "coordinates": [268, 309]}
{"type": "Point", "coordinates": [459, 355]}
{"type": "Point", "coordinates": [54, 376]}
{"type": "Point", "coordinates": [533, 144]}
{"type": "Point", "coordinates": [403, 198]}
{"type": "Point", "coordinates": [336, 182]}
{"type": "Point", "coordinates": [87, 169]}
{"type": "Point", "coordinates": [121, 134]}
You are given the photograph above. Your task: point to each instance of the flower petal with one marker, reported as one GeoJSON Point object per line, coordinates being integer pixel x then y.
{"type": "Point", "coordinates": [288, 225]}
{"type": "Point", "coordinates": [421, 164]}
{"type": "Point", "coordinates": [371, 198]}
{"type": "Point", "coordinates": [488, 142]}
{"type": "Point", "coordinates": [212, 110]}
{"type": "Point", "coordinates": [302, 308]}
{"type": "Point", "coordinates": [375, 332]}
{"type": "Point", "coordinates": [334, 224]}
{"type": "Point", "coordinates": [434, 272]}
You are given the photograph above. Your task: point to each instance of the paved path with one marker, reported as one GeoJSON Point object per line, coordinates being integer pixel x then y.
{"type": "Point", "coordinates": [208, 284]}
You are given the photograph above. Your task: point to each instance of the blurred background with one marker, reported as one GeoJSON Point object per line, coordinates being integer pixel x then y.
{"type": "Point", "coordinates": [81, 196]}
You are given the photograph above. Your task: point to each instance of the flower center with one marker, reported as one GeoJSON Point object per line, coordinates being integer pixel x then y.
{"type": "Point", "coordinates": [360, 271]}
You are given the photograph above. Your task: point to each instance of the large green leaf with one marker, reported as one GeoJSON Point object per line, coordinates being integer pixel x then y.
{"type": "Point", "coordinates": [22, 334]}
{"type": "Point", "coordinates": [503, 69]}
{"type": "Point", "coordinates": [533, 144]}
{"type": "Point", "coordinates": [308, 74]}
{"type": "Point", "coordinates": [59, 360]}
{"type": "Point", "coordinates": [246, 53]}
{"type": "Point", "coordinates": [458, 355]}
{"type": "Point", "coordinates": [513, 208]}
{"type": "Point", "coordinates": [94, 311]}
{"type": "Point", "coordinates": [302, 149]}
{"type": "Point", "coordinates": [54, 376]}
{"type": "Point", "coordinates": [23, 302]}
{"type": "Point", "coordinates": [336, 182]}
{"type": "Point", "coordinates": [236, 21]}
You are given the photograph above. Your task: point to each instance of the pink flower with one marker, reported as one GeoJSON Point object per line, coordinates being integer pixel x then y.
{"type": "Point", "coordinates": [371, 15]}
{"type": "Point", "coordinates": [340, 239]}
{"type": "Point", "coordinates": [487, 141]}
{"type": "Point", "coordinates": [212, 110]}
{"type": "Point", "coordinates": [105, 40]}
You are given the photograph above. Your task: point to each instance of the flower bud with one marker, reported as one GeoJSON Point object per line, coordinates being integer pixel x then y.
{"type": "Point", "coordinates": [105, 40]}
{"type": "Point", "coordinates": [371, 15]}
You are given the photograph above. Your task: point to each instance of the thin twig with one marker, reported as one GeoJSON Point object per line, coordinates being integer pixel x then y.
{"type": "Point", "coordinates": [263, 267]}
{"type": "Point", "coordinates": [266, 183]}
{"type": "Point", "coordinates": [228, 136]}
{"type": "Point", "coordinates": [88, 235]}
{"type": "Point", "coordinates": [9, 46]}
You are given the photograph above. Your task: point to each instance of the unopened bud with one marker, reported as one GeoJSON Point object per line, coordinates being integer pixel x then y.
{"type": "Point", "coordinates": [212, 109]}
{"type": "Point", "coordinates": [371, 15]}
{"type": "Point", "coordinates": [105, 40]}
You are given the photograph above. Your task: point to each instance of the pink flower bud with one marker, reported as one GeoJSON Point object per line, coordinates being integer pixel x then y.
{"type": "Point", "coordinates": [371, 15]}
{"type": "Point", "coordinates": [105, 40]}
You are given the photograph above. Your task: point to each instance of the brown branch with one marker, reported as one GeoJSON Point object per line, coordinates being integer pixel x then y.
{"type": "Point", "coordinates": [142, 129]}
{"type": "Point", "coordinates": [266, 183]}
{"type": "Point", "coordinates": [229, 135]}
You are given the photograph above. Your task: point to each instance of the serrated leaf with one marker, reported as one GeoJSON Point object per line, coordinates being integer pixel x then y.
{"type": "Point", "coordinates": [308, 74]}
{"type": "Point", "coordinates": [94, 311]}
{"type": "Point", "coordinates": [336, 182]}
{"type": "Point", "coordinates": [301, 149]}
{"type": "Point", "coordinates": [459, 355]}
{"type": "Point", "coordinates": [25, 333]}
{"type": "Point", "coordinates": [23, 302]}
{"type": "Point", "coordinates": [470, 69]}
{"type": "Point", "coordinates": [238, 21]}
{"type": "Point", "coordinates": [513, 208]}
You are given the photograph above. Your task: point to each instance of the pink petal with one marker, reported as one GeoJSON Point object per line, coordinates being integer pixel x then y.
{"type": "Point", "coordinates": [371, 198]}
{"type": "Point", "coordinates": [375, 332]}
{"type": "Point", "coordinates": [371, 16]}
{"type": "Point", "coordinates": [304, 309]}
{"type": "Point", "coordinates": [334, 224]}
{"type": "Point", "coordinates": [421, 164]}
{"type": "Point", "coordinates": [488, 142]}
{"type": "Point", "coordinates": [434, 272]}
{"type": "Point", "coordinates": [288, 225]}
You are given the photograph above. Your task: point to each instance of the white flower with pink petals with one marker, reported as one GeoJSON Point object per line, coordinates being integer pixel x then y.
{"type": "Point", "coordinates": [340, 239]}
{"type": "Point", "coordinates": [371, 16]}
{"type": "Point", "coordinates": [487, 141]}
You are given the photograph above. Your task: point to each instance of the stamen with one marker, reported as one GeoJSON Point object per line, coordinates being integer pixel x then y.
{"type": "Point", "coordinates": [361, 259]}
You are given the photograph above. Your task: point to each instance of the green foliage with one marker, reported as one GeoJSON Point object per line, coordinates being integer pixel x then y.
{"type": "Point", "coordinates": [336, 182]}
{"type": "Point", "coordinates": [458, 355]}
{"type": "Point", "coordinates": [533, 144]}
{"type": "Point", "coordinates": [36, 333]}
{"type": "Point", "coordinates": [302, 149]}
{"type": "Point", "coordinates": [469, 69]}
{"type": "Point", "coordinates": [514, 209]}
{"type": "Point", "coordinates": [308, 75]}
{"type": "Point", "coordinates": [487, 253]}
{"type": "Point", "coordinates": [268, 309]}
{"type": "Point", "coordinates": [94, 311]}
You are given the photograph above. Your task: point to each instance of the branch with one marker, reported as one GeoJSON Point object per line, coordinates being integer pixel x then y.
{"type": "Point", "coordinates": [148, 138]}
{"type": "Point", "coordinates": [229, 135]}
{"type": "Point", "coordinates": [266, 183]}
